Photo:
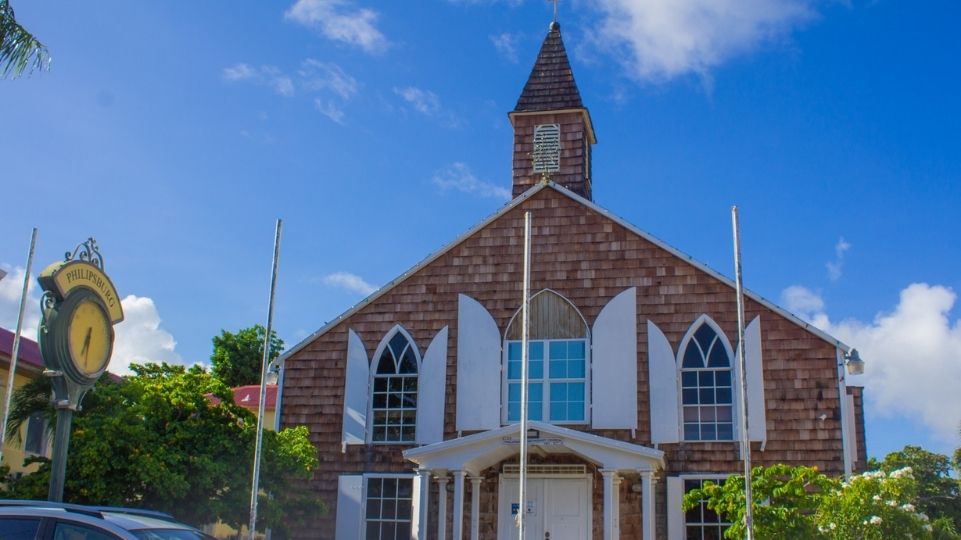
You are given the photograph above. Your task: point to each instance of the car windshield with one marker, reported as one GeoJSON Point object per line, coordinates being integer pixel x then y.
{"type": "Point", "coordinates": [170, 534]}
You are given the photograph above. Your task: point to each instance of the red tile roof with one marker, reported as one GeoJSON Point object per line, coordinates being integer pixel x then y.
{"type": "Point", "coordinates": [248, 396]}
{"type": "Point", "coordinates": [29, 350]}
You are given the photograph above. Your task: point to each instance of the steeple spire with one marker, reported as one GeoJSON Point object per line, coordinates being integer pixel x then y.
{"type": "Point", "coordinates": [553, 133]}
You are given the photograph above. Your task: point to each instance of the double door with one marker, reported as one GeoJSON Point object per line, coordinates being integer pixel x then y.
{"type": "Point", "coordinates": [555, 509]}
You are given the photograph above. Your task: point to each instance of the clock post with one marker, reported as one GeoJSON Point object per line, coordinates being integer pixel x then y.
{"type": "Point", "coordinates": [79, 308]}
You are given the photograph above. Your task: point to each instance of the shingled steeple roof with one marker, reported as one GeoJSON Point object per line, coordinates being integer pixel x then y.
{"type": "Point", "coordinates": [551, 85]}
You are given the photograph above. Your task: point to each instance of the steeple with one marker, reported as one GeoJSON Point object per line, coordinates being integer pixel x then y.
{"type": "Point", "coordinates": [553, 133]}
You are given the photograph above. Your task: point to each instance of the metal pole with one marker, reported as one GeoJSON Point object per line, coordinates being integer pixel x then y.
{"type": "Point", "coordinates": [525, 313]}
{"type": "Point", "coordinates": [255, 485]}
{"type": "Point", "coordinates": [61, 443]}
{"type": "Point", "coordinates": [745, 440]}
{"type": "Point", "coordinates": [15, 353]}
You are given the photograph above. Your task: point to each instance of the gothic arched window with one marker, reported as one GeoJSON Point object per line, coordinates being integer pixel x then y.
{"type": "Point", "coordinates": [394, 385]}
{"type": "Point", "coordinates": [707, 394]}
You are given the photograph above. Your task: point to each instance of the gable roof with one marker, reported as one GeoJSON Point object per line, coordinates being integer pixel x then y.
{"type": "Point", "coordinates": [551, 85]}
{"type": "Point", "coordinates": [517, 201]}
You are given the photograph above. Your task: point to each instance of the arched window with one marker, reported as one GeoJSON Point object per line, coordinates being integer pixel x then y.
{"type": "Point", "coordinates": [706, 383]}
{"type": "Point", "coordinates": [394, 397]}
{"type": "Point", "coordinates": [558, 363]}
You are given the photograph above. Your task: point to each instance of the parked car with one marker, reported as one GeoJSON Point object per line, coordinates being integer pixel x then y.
{"type": "Point", "coordinates": [41, 520]}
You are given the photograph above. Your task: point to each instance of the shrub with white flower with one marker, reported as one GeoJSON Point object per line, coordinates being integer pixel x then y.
{"type": "Point", "coordinates": [873, 505]}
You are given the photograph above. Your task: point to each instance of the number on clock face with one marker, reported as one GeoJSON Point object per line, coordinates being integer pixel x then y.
{"type": "Point", "coordinates": [89, 337]}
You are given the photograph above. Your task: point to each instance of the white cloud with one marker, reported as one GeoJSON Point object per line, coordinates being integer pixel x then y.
{"type": "Point", "coordinates": [424, 101]}
{"type": "Point", "coordinates": [836, 267]}
{"type": "Point", "coordinates": [339, 21]}
{"type": "Point", "coordinates": [459, 176]}
{"type": "Point", "coordinates": [657, 40]}
{"type": "Point", "coordinates": [350, 282]}
{"type": "Point", "coordinates": [321, 76]}
{"type": "Point", "coordinates": [139, 337]}
{"type": "Point", "coordinates": [330, 109]}
{"type": "Point", "coordinates": [506, 45]}
{"type": "Point", "coordinates": [269, 76]}
{"type": "Point", "coordinates": [912, 358]}
{"type": "Point", "coordinates": [11, 288]}
{"type": "Point", "coordinates": [802, 301]}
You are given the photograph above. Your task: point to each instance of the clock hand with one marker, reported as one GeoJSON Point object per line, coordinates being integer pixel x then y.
{"type": "Point", "coordinates": [85, 351]}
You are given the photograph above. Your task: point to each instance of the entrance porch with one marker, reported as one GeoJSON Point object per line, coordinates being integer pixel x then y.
{"type": "Point", "coordinates": [561, 493]}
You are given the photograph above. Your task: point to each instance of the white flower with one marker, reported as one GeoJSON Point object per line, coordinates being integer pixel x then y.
{"type": "Point", "coordinates": [876, 498]}
{"type": "Point", "coordinates": [905, 471]}
{"type": "Point", "coordinates": [875, 520]}
{"type": "Point", "coordinates": [892, 503]}
{"type": "Point", "coordinates": [928, 527]}
{"type": "Point", "coordinates": [907, 507]}
{"type": "Point", "coordinates": [832, 526]}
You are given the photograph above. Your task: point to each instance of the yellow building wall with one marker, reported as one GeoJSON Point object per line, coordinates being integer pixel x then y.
{"type": "Point", "coordinates": [13, 451]}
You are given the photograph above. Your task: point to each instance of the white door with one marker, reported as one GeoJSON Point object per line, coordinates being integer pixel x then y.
{"type": "Point", "coordinates": [556, 509]}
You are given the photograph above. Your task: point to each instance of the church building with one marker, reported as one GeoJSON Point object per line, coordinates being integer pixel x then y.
{"type": "Point", "coordinates": [412, 397]}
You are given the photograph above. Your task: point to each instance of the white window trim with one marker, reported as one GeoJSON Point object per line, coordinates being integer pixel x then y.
{"type": "Point", "coordinates": [363, 496]}
{"type": "Point", "coordinates": [588, 342]}
{"type": "Point", "coordinates": [370, 386]}
{"type": "Point", "coordinates": [735, 381]}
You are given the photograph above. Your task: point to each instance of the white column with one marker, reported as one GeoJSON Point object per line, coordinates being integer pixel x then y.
{"type": "Point", "coordinates": [475, 487]}
{"type": "Point", "coordinates": [617, 505]}
{"type": "Point", "coordinates": [648, 506]}
{"type": "Point", "coordinates": [459, 504]}
{"type": "Point", "coordinates": [610, 504]}
{"type": "Point", "coordinates": [421, 497]}
{"type": "Point", "coordinates": [442, 507]}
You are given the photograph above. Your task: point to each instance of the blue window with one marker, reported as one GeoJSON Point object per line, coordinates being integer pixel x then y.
{"type": "Point", "coordinates": [557, 394]}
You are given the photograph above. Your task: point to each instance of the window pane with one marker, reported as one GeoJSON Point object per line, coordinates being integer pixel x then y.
{"type": "Point", "coordinates": [575, 411]}
{"type": "Point", "coordinates": [575, 392]}
{"type": "Point", "coordinates": [558, 368]}
{"type": "Point", "coordinates": [708, 432]}
{"type": "Point", "coordinates": [705, 335]}
{"type": "Point", "coordinates": [575, 349]}
{"type": "Point", "coordinates": [558, 350]}
{"type": "Point", "coordinates": [575, 369]}
{"type": "Point", "coordinates": [514, 370]}
{"type": "Point", "coordinates": [385, 366]}
{"type": "Point", "coordinates": [718, 356]}
{"type": "Point", "coordinates": [725, 432]}
{"type": "Point", "coordinates": [536, 350]}
{"type": "Point", "coordinates": [723, 377]}
{"type": "Point", "coordinates": [19, 529]}
{"type": "Point", "coordinates": [691, 432]}
{"type": "Point", "coordinates": [689, 396]}
{"type": "Point", "coordinates": [724, 413]}
{"type": "Point", "coordinates": [723, 395]}
{"type": "Point", "coordinates": [535, 369]}
{"type": "Point", "coordinates": [408, 363]}
{"type": "Point", "coordinates": [706, 395]}
{"type": "Point", "coordinates": [514, 351]}
{"type": "Point", "coordinates": [692, 356]}
{"type": "Point", "coordinates": [71, 531]}
{"type": "Point", "coordinates": [689, 379]}
{"type": "Point", "coordinates": [706, 378]}
{"type": "Point", "coordinates": [558, 412]}
{"type": "Point", "coordinates": [558, 392]}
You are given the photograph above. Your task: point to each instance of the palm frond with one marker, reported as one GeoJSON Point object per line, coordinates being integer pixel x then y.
{"type": "Point", "coordinates": [19, 51]}
{"type": "Point", "coordinates": [31, 398]}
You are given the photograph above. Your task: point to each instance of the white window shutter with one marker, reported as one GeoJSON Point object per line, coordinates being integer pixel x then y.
{"type": "Point", "coordinates": [431, 387]}
{"type": "Point", "coordinates": [662, 380]}
{"type": "Point", "coordinates": [675, 515]}
{"type": "Point", "coordinates": [478, 367]}
{"type": "Point", "coordinates": [349, 522]}
{"type": "Point", "coordinates": [757, 425]}
{"type": "Point", "coordinates": [614, 364]}
{"type": "Point", "coordinates": [356, 386]}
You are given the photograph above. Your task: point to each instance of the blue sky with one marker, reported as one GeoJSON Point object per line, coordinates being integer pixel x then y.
{"type": "Point", "coordinates": [177, 133]}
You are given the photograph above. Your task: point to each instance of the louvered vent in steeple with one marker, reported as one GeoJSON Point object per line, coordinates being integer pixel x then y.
{"type": "Point", "coordinates": [547, 148]}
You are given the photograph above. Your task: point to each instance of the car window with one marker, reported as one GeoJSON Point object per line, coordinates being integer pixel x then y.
{"type": "Point", "coordinates": [19, 528]}
{"type": "Point", "coordinates": [74, 531]}
{"type": "Point", "coordinates": [169, 534]}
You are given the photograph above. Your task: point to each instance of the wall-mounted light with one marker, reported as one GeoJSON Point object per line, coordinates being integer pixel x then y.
{"type": "Point", "coordinates": [854, 363]}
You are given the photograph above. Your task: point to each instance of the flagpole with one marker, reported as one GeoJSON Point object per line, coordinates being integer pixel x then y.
{"type": "Point", "coordinates": [745, 440]}
{"type": "Point", "coordinates": [525, 312]}
{"type": "Point", "coordinates": [15, 352]}
{"type": "Point", "coordinates": [255, 484]}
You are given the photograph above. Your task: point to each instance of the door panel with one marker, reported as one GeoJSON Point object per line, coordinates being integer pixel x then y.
{"type": "Point", "coordinates": [557, 509]}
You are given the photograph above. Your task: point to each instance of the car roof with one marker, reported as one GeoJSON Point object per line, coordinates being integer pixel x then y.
{"type": "Point", "coordinates": [118, 519]}
{"type": "Point", "coordinates": [66, 515]}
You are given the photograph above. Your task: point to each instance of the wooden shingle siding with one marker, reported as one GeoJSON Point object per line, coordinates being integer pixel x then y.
{"type": "Point", "coordinates": [588, 258]}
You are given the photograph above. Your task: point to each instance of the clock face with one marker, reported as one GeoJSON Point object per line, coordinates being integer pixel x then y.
{"type": "Point", "coordinates": [89, 337]}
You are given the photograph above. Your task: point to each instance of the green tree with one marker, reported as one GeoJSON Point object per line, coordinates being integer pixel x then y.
{"type": "Point", "coordinates": [19, 50]}
{"type": "Point", "coordinates": [785, 500]}
{"type": "Point", "coordinates": [938, 492]}
{"type": "Point", "coordinates": [237, 358]}
{"type": "Point", "coordinates": [171, 438]}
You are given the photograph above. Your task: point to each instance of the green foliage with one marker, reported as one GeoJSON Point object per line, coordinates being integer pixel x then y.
{"type": "Point", "coordinates": [938, 493]}
{"type": "Point", "coordinates": [785, 499]}
{"type": "Point", "coordinates": [237, 358]}
{"type": "Point", "coordinates": [801, 503]}
{"type": "Point", "coordinates": [19, 50]}
{"type": "Point", "coordinates": [157, 440]}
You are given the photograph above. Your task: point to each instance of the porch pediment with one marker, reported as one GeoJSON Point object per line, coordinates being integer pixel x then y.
{"type": "Point", "coordinates": [476, 452]}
